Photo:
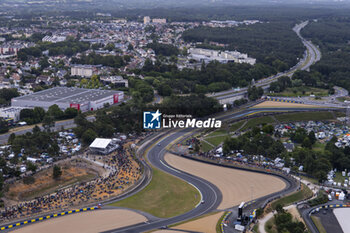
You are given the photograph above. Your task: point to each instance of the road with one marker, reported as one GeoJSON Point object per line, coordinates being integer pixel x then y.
{"type": "Point", "coordinates": [311, 56]}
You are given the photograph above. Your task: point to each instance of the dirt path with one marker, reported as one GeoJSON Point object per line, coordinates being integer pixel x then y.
{"type": "Point", "coordinates": [235, 185]}
{"type": "Point", "coordinates": [87, 222]}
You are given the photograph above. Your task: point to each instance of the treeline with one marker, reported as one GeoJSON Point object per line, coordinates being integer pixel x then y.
{"type": "Point", "coordinates": [96, 59]}
{"type": "Point", "coordinates": [332, 35]}
{"type": "Point", "coordinates": [255, 143]}
{"type": "Point", "coordinates": [212, 77]}
{"type": "Point", "coordinates": [68, 48]}
{"type": "Point", "coordinates": [127, 118]}
{"type": "Point", "coordinates": [38, 115]}
{"type": "Point", "coordinates": [274, 44]}
{"type": "Point", "coordinates": [163, 49]}
{"type": "Point", "coordinates": [6, 94]}
{"type": "Point", "coordinates": [34, 143]}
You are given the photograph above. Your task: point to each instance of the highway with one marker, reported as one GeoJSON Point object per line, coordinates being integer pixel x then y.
{"type": "Point", "coordinates": [311, 56]}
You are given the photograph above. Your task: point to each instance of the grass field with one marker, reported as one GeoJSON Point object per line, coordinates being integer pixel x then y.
{"type": "Point", "coordinates": [217, 133]}
{"type": "Point", "coordinates": [301, 91]}
{"type": "Point", "coordinates": [216, 140]}
{"type": "Point", "coordinates": [319, 147]}
{"type": "Point", "coordinates": [165, 196]}
{"type": "Point", "coordinates": [258, 121]}
{"type": "Point", "coordinates": [305, 116]}
{"type": "Point", "coordinates": [270, 226]}
{"type": "Point", "coordinates": [318, 224]}
{"type": "Point", "coordinates": [205, 146]}
{"type": "Point", "coordinates": [236, 126]}
{"type": "Point", "coordinates": [339, 178]}
{"type": "Point", "coordinates": [305, 192]}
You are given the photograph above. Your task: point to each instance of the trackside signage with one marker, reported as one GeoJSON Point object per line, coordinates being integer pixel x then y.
{"type": "Point", "coordinates": [157, 120]}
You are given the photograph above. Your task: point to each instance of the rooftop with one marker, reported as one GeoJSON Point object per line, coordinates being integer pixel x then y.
{"type": "Point", "coordinates": [67, 94]}
{"type": "Point", "coordinates": [100, 143]}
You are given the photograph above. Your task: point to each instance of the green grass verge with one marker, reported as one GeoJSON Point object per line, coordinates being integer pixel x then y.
{"type": "Point", "coordinates": [256, 228]}
{"type": "Point", "coordinates": [258, 121]}
{"type": "Point", "coordinates": [236, 126]}
{"type": "Point", "coordinates": [339, 178]}
{"type": "Point", "coordinates": [270, 226]}
{"type": "Point", "coordinates": [301, 91]}
{"type": "Point", "coordinates": [205, 147]}
{"type": "Point", "coordinates": [319, 147]}
{"type": "Point", "coordinates": [218, 224]}
{"type": "Point", "coordinates": [217, 133]}
{"type": "Point", "coordinates": [305, 116]}
{"type": "Point", "coordinates": [166, 196]}
{"type": "Point", "coordinates": [216, 140]}
{"type": "Point", "coordinates": [302, 194]}
{"type": "Point", "coordinates": [318, 224]}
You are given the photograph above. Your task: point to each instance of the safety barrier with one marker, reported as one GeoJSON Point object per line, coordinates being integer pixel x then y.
{"type": "Point", "coordinates": [329, 206]}
{"type": "Point", "coordinates": [224, 220]}
{"type": "Point", "coordinates": [47, 217]}
{"type": "Point", "coordinates": [284, 101]}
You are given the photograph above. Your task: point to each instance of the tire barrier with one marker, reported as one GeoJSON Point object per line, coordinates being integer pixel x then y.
{"type": "Point", "coordinates": [329, 206]}
{"type": "Point", "coordinates": [224, 220]}
{"type": "Point", "coordinates": [284, 101]}
{"type": "Point", "coordinates": [47, 217]}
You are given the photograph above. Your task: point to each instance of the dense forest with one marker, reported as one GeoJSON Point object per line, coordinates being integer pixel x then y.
{"type": "Point", "coordinates": [273, 44]}
{"type": "Point", "coordinates": [333, 36]}
{"type": "Point", "coordinates": [212, 77]}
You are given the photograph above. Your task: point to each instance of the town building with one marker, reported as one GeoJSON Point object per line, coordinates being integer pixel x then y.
{"type": "Point", "coordinates": [208, 55]}
{"type": "Point", "coordinates": [11, 113]}
{"type": "Point", "coordinates": [118, 81]}
{"type": "Point", "coordinates": [160, 21]}
{"type": "Point", "coordinates": [69, 97]}
{"type": "Point", "coordinates": [54, 39]}
{"type": "Point", "coordinates": [146, 20]}
{"type": "Point", "coordinates": [84, 70]}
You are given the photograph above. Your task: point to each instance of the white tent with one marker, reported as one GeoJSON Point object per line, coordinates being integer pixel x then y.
{"type": "Point", "coordinates": [100, 143]}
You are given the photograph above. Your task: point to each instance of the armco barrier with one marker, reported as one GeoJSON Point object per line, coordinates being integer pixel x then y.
{"type": "Point", "coordinates": [47, 217]}
{"type": "Point", "coordinates": [224, 220]}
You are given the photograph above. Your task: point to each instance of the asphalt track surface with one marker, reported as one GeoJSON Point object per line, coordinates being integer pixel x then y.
{"type": "Point", "coordinates": [211, 195]}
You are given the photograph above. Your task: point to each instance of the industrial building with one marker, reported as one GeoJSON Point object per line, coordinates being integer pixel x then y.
{"type": "Point", "coordinates": [69, 97]}
{"type": "Point", "coordinates": [11, 113]}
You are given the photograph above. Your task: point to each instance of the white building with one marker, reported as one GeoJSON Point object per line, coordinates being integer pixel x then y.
{"type": "Point", "coordinates": [103, 146]}
{"type": "Point", "coordinates": [208, 55]}
{"type": "Point", "coordinates": [11, 112]}
{"type": "Point", "coordinates": [160, 21]}
{"type": "Point", "coordinates": [146, 20]}
{"type": "Point", "coordinates": [84, 70]}
{"type": "Point", "coordinates": [54, 39]}
{"type": "Point", "coordinates": [118, 80]}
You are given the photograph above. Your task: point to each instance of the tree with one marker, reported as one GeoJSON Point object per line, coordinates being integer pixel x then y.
{"type": "Point", "coordinates": [31, 166]}
{"type": "Point", "coordinates": [48, 122]}
{"type": "Point", "coordinates": [57, 172]}
{"type": "Point", "coordinates": [55, 112]}
{"type": "Point", "coordinates": [88, 136]}
{"type": "Point", "coordinates": [306, 143]}
{"type": "Point", "coordinates": [130, 47]}
{"type": "Point", "coordinates": [3, 126]}
{"type": "Point", "coordinates": [70, 113]}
